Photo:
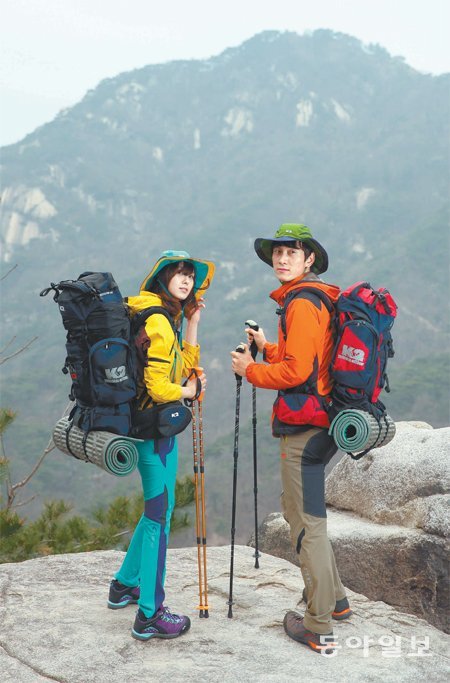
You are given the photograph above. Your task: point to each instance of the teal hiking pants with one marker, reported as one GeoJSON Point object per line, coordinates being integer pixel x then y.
{"type": "Point", "coordinates": [144, 564]}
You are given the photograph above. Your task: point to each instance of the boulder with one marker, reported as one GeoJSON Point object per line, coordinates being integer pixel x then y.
{"type": "Point", "coordinates": [55, 626]}
{"type": "Point", "coordinates": [389, 522]}
{"type": "Point", "coordinates": [406, 568]}
{"type": "Point", "coordinates": [406, 482]}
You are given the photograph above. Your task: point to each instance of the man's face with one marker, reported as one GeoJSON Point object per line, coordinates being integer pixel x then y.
{"type": "Point", "coordinates": [290, 262]}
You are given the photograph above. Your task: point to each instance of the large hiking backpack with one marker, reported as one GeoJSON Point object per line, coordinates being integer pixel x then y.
{"type": "Point", "coordinates": [364, 318]}
{"type": "Point", "coordinates": [99, 357]}
{"type": "Point", "coordinates": [106, 357]}
{"type": "Point", "coordinates": [361, 320]}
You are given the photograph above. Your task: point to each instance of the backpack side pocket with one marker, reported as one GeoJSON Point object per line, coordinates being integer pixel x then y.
{"type": "Point", "coordinates": [110, 364]}
{"type": "Point", "coordinates": [353, 362]}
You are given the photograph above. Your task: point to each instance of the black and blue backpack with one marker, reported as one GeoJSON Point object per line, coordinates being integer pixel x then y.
{"type": "Point", "coordinates": [99, 353]}
{"type": "Point", "coordinates": [106, 357]}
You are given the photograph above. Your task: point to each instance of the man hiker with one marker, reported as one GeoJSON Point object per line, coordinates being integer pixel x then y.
{"type": "Point", "coordinates": [298, 367]}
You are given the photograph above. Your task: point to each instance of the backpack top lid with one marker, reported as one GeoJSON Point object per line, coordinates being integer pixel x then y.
{"type": "Point", "coordinates": [363, 294]}
{"type": "Point", "coordinates": [103, 284]}
{"type": "Point", "coordinates": [204, 270]}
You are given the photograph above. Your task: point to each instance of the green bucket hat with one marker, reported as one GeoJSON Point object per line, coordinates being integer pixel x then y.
{"type": "Point", "coordinates": [204, 270]}
{"type": "Point", "coordinates": [288, 232]}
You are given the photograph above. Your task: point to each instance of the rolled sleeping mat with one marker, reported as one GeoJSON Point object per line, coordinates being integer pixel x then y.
{"type": "Point", "coordinates": [354, 431]}
{"type": "Point", "coordinates": [113, 453]}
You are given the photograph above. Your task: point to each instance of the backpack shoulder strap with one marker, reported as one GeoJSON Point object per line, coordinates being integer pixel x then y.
{"type": "Point", "coordinates": [137, 323]}
{"type": "Point", "coordinates": [313, 294]}
{"type": "Point", "coordinates": [140, 318]}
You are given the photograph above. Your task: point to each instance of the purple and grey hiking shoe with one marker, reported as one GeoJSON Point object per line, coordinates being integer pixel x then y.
{"type": "Point", "coordinates": [121, 596]}
{"type": "Point", "coordinates": [163, 624]}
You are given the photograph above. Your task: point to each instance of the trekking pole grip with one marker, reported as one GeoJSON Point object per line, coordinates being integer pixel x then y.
{"type": "Point", "coordinates": [200, 391]}
{"type": "Point", "coordinates": [240, 348]}
{"type": "Point", "coordinates": [253, 326]}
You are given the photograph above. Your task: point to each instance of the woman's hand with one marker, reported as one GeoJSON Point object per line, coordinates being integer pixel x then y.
{"type": "Point", "coordinates": [195, 317]}
{"type": "Point", "coordinates": [190, 388]}
{"type": "Point", "coordinates": [192, 325]}
{"type": "Point", "coordinates": [257, 336]}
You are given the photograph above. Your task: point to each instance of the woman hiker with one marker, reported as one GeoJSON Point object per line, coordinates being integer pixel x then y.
{"type": "Point", "coordinates": [297, 366]}
{"type": "Point", "coordinates": [176, 282]}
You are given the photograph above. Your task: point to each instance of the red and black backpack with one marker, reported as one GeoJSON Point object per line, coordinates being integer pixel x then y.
{"type": "Point", "coordinates": [361, 318]}
{"type": "Point", "coordinates": [363, 321]}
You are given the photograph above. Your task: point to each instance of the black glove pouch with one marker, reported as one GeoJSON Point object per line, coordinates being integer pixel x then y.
{"type": "Point", "coordinates": [163, 419]}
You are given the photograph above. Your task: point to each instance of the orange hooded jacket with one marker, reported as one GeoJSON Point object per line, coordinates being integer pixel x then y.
{"type": "Point", "coordinates": [308, 345]}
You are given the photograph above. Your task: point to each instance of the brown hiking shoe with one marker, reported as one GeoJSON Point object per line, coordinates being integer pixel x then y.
{"type": "Point", "coordinates": [293, 625]}
{"type": "Point", "coordinates": [341, 610]}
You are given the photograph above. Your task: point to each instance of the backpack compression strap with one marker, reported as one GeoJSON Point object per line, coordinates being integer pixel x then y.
{"type": "Point", "coordinates": [84, 288]}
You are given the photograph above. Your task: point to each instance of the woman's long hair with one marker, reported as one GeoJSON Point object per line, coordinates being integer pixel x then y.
{"type": "Point", "coordinates": [160, 286]}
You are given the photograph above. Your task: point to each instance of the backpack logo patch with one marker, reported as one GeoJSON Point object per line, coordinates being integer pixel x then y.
{"type": "Point", "coordinates": [352, 355]}
{"type": "Point", "coordinates": [114, 375]}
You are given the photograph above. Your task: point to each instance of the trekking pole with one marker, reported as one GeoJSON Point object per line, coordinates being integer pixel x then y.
{"type": "Point", "coordinates": [254, 351]}
{"type": "Point", "coordinates": [240, 348]}
{"type": "Point", "coordinates": [197, 507]}
{"type": "Point", "coordinates": [203, 504]}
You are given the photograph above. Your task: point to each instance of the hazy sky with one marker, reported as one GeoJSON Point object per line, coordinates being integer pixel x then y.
{"type": "Point", "coordinates": [53, 51]}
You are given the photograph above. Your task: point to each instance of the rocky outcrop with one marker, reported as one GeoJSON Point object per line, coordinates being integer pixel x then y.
{"type": "Point", "coordinates": [406, 568]}
{"type": "Point", "coordinates": [407, 482]}
{"type": "Point", "coordinates": [388, 522]}
{"type": "Point", "coordinates": [55, 627]}
{"type": "Point", "coordinates": [25, 209]}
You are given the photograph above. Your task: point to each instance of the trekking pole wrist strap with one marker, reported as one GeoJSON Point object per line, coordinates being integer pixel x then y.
{"type": "Point", "coordinates": [198, 396]}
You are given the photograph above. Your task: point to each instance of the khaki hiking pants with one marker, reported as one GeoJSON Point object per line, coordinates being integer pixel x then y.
{"type": "Point", "coordinates": [303, 460]}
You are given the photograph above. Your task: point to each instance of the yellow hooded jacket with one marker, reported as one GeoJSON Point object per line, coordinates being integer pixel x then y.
{"type": "Point", "coordinates": [167, 362]}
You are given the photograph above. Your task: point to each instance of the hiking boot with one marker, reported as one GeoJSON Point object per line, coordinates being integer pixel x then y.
{"type": "Point", "coordinates": [121, 596]}
{"type": "Point", "coordinates": [163, 624]}
{"type": "Point", "coordinates": [295, 629]}
{"type": "Point", "coordinates": [341, 609]}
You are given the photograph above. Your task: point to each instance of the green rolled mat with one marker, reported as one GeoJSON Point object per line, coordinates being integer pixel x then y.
{"type": "Point", "coordinates": [355, 431]}
{"type": "Point", "coordinates": [113, 453]}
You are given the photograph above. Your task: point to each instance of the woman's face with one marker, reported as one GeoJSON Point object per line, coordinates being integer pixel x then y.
{"type": "Point", "coordinates": [290, 262]}
{"type": "Point", "coordinates": [181, 284]}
